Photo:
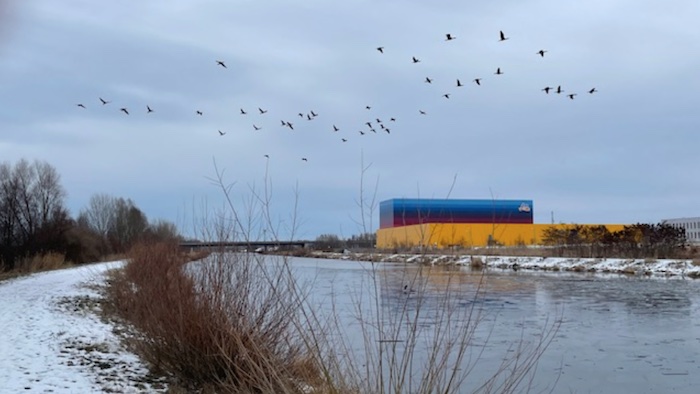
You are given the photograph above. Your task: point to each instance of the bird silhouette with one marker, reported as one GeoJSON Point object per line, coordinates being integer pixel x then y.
{"type": "Point", "coordinates": [104, 102]}
{"type": "Point", "coordinates": [256, 127]}
{"type": "Point", "coordinates": [344, 140]}
{"type": "Point", "coordinates": [378, 120]}
{"type": "Point", "coordinates": [459, 83]}
{"type": "Point", "coordinates": [304, 159]}
{"type": "Point", "coordinates": [290, 125]}
{"type": "Point", "coordinates": [243, 112]}
{"type": "Point", "coordinates": [449, 37]}
{"type": "Point", "coordinates": [478, 81]}
{"type": "Point", "coordinates": [572, 95]}
{"type": "Point", "coordinates": [541, 52]}
{"type": "Point", "coordinates": [380, 49]}
{"type": "Point", "coordinates": [148, 109]}
{"type": "Point", "coordinates": [221, 63]}
{"type": "Point", "coordinates": [421, 112]}
{"type": "Point", "coordinates": [592, 91]}
{"type": "Point", "coordinates": [267, 156]}
{"type": "Point", "coordinates": [547, 89]}
{"type": "Point", "coordinates": [368, 107]}
{"type": "Point", "coordinates": [382, 126]}
{"type": "Point", "coordinates": [221, 133]}
{"type": "Point", "coordinates": [392, 119]}
{"type": "Point", "coordinates": [415, 60]}
{"type": "Point", "coordinates": [373, 130]}
{"type": "Point", "coordinates": [124, 110]}
{"type": "Point", "coordinates": [80, 105]}
{"type": "Point", "coordinates": [559, 90]}
{"type": "Point", "coordinates": [362, 132]}
{"type": "Point", "coordinates": [262, 111]}
{"type": "Point", "coordinates": [387, 130]}
{"type": "Point", "coordinates": [198, 112]}
{"type": "Point", "coordinates": [313, 114]}
{"type": "Point", "coordinates": [301, 115]}
{"type": "Point", "coordinates": [335, 128]}
{"type": "Point", "coordinates": [308, 117]}
{"type": "Point", "coordinates": [283, 122]}
{"type": "Point", "coordinates": [502, 36]}
{"type": "Point", "coordinates": [498, 71]}
{"type": "Point", "coordinates": [369, 124]}
{"type": "Point", "coordinates": [428, 80]}
{"type": "Point", "coordinates": [446, 95]}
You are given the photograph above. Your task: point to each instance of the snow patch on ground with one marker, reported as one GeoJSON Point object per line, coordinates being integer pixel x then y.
{"type": "Point", "coordinates": [52, 341]}
{"type": "Point", "coordinates": [649, 267]}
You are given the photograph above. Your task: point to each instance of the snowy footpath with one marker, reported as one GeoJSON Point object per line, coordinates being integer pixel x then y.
{"type": "Point", "coordinates": [51, 341]}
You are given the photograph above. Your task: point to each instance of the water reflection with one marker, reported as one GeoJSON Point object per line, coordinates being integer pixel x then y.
{"type": "Point", "coordinates": [617, 333]}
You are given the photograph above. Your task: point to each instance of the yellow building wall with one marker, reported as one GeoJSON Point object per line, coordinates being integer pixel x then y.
{"type": "Point", "coordinates": [462, 234]}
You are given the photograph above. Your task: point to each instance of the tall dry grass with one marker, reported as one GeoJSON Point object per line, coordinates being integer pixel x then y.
{"type": "Point", "coordinates": [226, 323]}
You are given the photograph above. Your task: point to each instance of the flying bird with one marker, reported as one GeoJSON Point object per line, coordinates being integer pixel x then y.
{"type": "Point", "coordinates": [80, 105]}
{"type": "Point", "coordinates": [344, 140]}
{"type": "Point", "coordinates": [198, 112]}
{"type": "Point", "coordinates": [378, 120]}
{"type": "Point", "coordinates": [104, 102]}
{"type": "Point", "coordinates": [243, 112]}
{"type": "Point", "coordinates": [421, 112]}
{"type": "Point", "coordinates": [308, 117]}
{"type": "Point", "coordinates": [301, 115]}
{"type": "Point", "coordinates": [314, 114]}
{"type": "Point", "coordinates": [262, 111]}
{"type": "Point", "coordinates": [221, 63]}
{"type": "Point", "coordinates": [283, 122]}
{"type": "Point", "coordinates": [148, 109]}
{"type": "Point", "coordinates": [498, 71]}
{"type": "Point", "coordinates": [335, 128]}
{"type": "Point", "coordinates": [387, 130]}
{"type": "Point", "coordinates": [368, 107]}
{"type": "Point", "coordinates": [541, 52]}
{"type": "Point", "coordinates": [502, 36]}
{"type": "Point", "coordinates": [446, 95]}
{"type": "Point", "coordinates": [559, 90]}
{"type": "Point", "coordinates": [572, 95]}
{"type": "Point", "coordinates": [459, 83]}
{"type": "Point", "coordinates": [267, 156]}
{"type": "Point", "coordinates": [256, 127]}
{"type": "Point", "coordinates": [221, 133]}
{"type": "Point", "coordinates": [478, 81]}
{"type": "Point", "coordinates": [592, 91]}
{"type": "Point", "coordinates": [449, 37]}
{"type": "Point", "coordinates": [362, 132]}
{"type": "Point", "coordinates": [428, 80]}
{"type": "Point", "coordinates": [416, 60]}
{"type": "Point", "coordinates": [547, 89]}
{"type": "Point", "coordinates": [380, 49]}
{"type": "Point", "coordinates": [392, 120]}
{"type": "Point", "coordinates": [369, 124]}
{"type": "Point", "coordinates": [304, 159]}
{"type": "Point", "coordinates": [124, 110]}
{"type": "Point", "coordinates": [290, 125]}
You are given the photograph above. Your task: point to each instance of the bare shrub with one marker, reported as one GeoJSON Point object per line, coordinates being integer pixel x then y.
{"type": "Point", "coordinates": [226, 322]}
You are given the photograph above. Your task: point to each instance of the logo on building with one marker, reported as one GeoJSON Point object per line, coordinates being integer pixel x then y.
{"type": "Point", "coordinates": [524, 207]}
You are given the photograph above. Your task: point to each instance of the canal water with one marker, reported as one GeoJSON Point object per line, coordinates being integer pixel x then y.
{"type": "Point", "coordinates": [610, 333]}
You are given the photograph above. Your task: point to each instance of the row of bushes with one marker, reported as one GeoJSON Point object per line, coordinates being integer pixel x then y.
{"type": "Point", "coordinates": [633, 241]}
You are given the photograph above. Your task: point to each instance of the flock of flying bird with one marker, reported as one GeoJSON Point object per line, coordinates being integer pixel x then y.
{"type": "Point", "coordinates": [374, 123]}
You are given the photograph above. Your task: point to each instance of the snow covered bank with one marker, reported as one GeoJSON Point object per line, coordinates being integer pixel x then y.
{"type": "Point", "coordinates": [660, 267]}
{"type": "Point", "coordinates": [52, 341]}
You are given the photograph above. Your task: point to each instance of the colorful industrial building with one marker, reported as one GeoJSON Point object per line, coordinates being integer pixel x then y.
{"type": "Point", "coordinates": [441, 223]}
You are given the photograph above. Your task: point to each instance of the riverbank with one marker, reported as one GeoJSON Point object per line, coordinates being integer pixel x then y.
{"type": "Point", "coordinates": [649, 267]}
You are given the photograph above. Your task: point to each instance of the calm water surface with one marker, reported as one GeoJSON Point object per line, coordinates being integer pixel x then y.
{"type": "Point", "coordinates": [618, 334]}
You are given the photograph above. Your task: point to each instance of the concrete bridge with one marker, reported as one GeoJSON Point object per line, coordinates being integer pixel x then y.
{"type": "Point", "coordinates": [244, 245]}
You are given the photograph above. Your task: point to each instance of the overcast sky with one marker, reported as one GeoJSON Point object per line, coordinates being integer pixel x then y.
{"type": "Point", "coordinates": [624, 154]}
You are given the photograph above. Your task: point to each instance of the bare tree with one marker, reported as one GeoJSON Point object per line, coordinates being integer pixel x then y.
{"type": "Point", "coordinates": [99, 213]}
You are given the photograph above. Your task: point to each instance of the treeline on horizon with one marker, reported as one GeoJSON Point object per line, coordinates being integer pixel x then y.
{"type": "Point", "coordinates": [638, 240]}
{"type": "Point", "coordinates": [35, 223]}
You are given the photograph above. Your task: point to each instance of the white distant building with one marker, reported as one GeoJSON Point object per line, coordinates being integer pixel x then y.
{"type": "Point", "coordinates": [691, 226]}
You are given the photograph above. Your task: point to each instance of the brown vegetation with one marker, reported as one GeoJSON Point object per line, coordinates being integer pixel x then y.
{"type": "Point", "coordinates": [226, 324]}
